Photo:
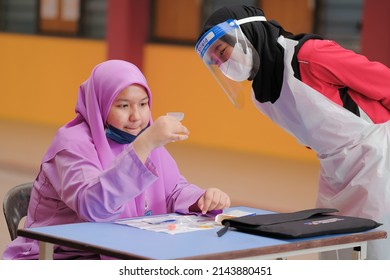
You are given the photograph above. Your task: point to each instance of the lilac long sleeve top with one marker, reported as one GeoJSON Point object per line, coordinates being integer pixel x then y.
{"type": "Point", "coordinates": [86, 177]}
{"type": "Point", "coordinates": [71, 189]}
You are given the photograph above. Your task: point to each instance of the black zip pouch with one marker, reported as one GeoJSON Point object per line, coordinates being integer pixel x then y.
{"type": "Point", "coordinates": [305, 223]}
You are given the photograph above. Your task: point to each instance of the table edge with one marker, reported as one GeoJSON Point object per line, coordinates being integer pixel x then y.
{"type": "Point", "coordinates": [274, 249]}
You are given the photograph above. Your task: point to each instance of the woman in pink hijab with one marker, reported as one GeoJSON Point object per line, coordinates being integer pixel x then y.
{"type": "Point", "coordinates": [110, 163]}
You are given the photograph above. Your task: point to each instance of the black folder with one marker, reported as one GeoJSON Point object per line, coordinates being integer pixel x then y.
{"type": "Point", "coordinates": [305, 223]}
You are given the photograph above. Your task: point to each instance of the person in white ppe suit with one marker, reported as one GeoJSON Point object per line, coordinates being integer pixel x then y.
{"type": "Point", "coordinates": [332, 100]}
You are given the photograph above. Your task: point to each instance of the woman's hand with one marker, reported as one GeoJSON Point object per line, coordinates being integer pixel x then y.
{"type": "Point", "coordinates": [164, 130]}
{"type": "Point", "coordinates": [212, 199]}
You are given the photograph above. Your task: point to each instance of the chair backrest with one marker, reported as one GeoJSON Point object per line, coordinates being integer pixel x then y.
{"type": "Point", "coordinates": [15, 205]}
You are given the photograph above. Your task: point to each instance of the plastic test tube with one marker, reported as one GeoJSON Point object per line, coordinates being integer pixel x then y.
{"type": "Point", "coordinates": [178, 115]}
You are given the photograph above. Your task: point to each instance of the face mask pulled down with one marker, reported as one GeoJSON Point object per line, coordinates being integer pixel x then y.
{"type": "Point", "coordinates": [121, 136]}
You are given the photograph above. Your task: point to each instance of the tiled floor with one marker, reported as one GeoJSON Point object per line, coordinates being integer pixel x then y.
{"type": "Point", "coordinates": [251, 180]}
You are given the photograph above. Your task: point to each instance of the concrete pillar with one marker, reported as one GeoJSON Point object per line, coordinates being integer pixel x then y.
{"type": "Point", "coordinates": [375, 36]}
{"type": "Point", "coordinates": [127, 29]}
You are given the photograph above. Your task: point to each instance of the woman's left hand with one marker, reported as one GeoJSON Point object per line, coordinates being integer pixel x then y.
{"type": "Point", "coordinates": [212, 199]}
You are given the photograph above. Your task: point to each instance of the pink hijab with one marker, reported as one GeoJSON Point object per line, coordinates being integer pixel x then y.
{"type": "Point", "coordinates": [85, 135]}
{"type": "Point", "coordinates": [94, 101]}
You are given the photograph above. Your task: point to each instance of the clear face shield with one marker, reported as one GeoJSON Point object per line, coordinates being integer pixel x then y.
{"type": "Point", "coordinates": [230, 56]}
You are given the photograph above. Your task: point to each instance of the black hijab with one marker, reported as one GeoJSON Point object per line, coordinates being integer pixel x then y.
{"type": "Point", "coordinates": [263, 35]}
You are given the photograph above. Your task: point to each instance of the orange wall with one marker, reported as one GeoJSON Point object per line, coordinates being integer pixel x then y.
{"type": "Point", "coordinates": [180, 82]}
{"type": "Point", "coordinates": [40, 77]}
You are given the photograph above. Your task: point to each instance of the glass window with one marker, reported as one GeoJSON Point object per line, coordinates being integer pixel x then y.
{"type": "Point", "coordinates": [93, 19]}
{"type": "Point", "coordinates": [340, 20]}
{"type": "Point", "coordinates": [178, 21]}
{"type": "Point", "coordinates": [19, 16]}
{"type": "Point", "coordinates": [59, 16]}
{"type": "Point", "coordinates": [82, 18]}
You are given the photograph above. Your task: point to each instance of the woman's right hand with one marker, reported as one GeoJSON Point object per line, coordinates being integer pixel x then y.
{"type": "Point", "coordinates": [164, 130]}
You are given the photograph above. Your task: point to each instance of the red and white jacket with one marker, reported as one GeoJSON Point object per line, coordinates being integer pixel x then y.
{"type": "Point", "coordinates": [334, 72]}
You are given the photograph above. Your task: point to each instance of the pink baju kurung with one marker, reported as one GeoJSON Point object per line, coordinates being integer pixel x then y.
{"type": "Point", "coordinates": [85, 177]}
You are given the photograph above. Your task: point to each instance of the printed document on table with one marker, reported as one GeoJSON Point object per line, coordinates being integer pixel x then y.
{"type": "Point", "coordinates": [171, 223]}
{"type": "Point", "coordinates": [175, 223]}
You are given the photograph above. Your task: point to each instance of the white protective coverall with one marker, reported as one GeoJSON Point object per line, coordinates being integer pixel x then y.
{"type": "Point", "coordinates": [354, 153]}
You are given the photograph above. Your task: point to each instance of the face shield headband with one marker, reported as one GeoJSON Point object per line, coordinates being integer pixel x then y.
{"type": "Point", "coordinates": [230, 56]}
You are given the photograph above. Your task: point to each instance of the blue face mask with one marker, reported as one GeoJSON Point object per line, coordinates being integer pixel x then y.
{"type": "Point", "coordinates": [121, 136]}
